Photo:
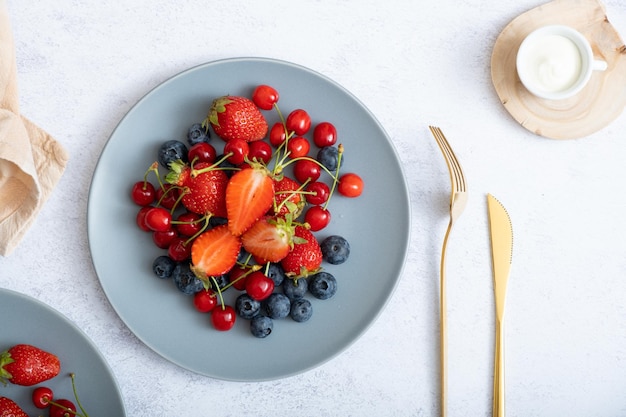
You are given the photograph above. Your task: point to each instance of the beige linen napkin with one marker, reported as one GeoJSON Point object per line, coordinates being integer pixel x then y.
{"type": "Point", "coordinates": [31, 161]}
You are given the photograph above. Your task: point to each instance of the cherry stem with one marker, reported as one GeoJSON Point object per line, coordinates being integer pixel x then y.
{"type": "Point", "coordinates": [336, 176]}
{"type": "Point", "coordinates": [206, 219]}
{"type": "Point", "coordinates": [219, 292]}
{"type": "Point", "coordinates": [72, 376]}
{"type": "Point", "coordinates": [300, 190]}
{"type": "Point", "coordinates": [214, 166]}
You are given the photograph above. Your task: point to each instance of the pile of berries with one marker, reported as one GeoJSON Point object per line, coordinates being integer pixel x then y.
{"type": "Point", "coordinates": [244, 217]}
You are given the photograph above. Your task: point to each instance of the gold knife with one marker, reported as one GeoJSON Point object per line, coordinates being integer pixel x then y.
{"type": "Point", "coordinates": [501, 257]}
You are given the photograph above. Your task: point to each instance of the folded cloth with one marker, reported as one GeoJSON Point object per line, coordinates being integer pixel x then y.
{"type": "Point", "coordinates": [31, 161]}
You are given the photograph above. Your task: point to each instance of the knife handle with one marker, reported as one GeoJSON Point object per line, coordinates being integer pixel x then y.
{"type": "Point", "coordinates": [498, 371]}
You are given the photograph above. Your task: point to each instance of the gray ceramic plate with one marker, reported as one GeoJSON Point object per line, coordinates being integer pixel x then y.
{"type": "Point", "coordinates": [38, 324]}
{"type": "Point", "coordinates": [376, 224]}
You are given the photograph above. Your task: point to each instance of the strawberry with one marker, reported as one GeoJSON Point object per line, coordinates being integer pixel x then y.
{"type": "Point", "coordinates": [306, 256]}
{"type": "Point", "coordinates": [287, 189]}
{"type": "Point", "coordinates": [234, 117]}
{"type": "Point", "coordinates": [269, 239]}
{"type": "Point", "coordinates": [9, 408]}
{"type": "Point", "coordinates": [28, 365]}
{"type": "Point", "coordinates": [204, 187]}
{"type": "Point", "coordinates": [249, 195]}
{"type": "Point", "coordinates": [214, 252]}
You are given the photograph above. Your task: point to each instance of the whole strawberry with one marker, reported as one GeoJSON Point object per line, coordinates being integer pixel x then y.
{"type": "Point", "coordinates": [28, 365]}
{"type": "Point", "coordinates": [203, 187]}
{"type": "Point", "coordinates": [8, 408]}
{"type": "Point", "coordinates": [234, 117]}
{"type": "Point", "coordinates": [306, 256]}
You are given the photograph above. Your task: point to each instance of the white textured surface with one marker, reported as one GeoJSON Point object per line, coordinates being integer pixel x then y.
{"type": "Point", "coordinates": [82, 65]}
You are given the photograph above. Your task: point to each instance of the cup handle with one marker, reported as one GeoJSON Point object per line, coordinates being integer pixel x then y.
{"type": "Point", "coordinates": [599, 65]}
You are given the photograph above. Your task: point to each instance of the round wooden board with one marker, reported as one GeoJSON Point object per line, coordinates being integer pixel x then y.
{"type": "Point", "coordinates": [597, 105]}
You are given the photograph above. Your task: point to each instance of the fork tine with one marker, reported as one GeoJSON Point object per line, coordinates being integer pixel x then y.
{"type": "Point", "coordinates": [458, 178]}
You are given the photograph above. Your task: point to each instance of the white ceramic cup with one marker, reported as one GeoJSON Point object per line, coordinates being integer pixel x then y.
{"type": "Point", "coordinates": [555, 62]}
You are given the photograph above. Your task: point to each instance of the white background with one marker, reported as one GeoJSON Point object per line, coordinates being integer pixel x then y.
{"type": "Point", "coordinates": [82, 65]}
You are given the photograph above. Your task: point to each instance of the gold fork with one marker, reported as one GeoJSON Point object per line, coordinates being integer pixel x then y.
{"type": "Point", "coordinates": [458, 200]}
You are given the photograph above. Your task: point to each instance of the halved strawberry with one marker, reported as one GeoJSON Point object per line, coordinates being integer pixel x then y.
{"type": "Point", "coordinates": [28, 365]}
{"type": "Point", "coordinates": [287, 197]}
{"type": "Point", "coordinates": [249, 195]}
{"type": "Point", "coordinates": [214, 252]}
{"type": "Point", "coordinates": [306, 256]}
{"type": "Point", "coordinates": [234, 117]}
{"type": "Point", "coordinates": [269, 239]}
{"type": "Point", "coordinates": [204, 188]}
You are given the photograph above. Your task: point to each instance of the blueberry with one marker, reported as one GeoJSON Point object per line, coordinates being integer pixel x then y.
{"type": "Point", "coordinates": [295, 289]}
{"type": "Point", "coordinates": [301, 310]}
{"type": "Point", "coordinates": [163, 266]}
{"type": "Point", "coordinates": [170, 151]}
{"type": "Point", "coordinates": [197, 134]}
{"type": "Point", "coordinates": [277, 306]}
{"type": "Point", "coordinates": [276, 273]}
{"type": "Point", "coordinates": [335, 249]}
{"type": "Point", "coordinates": [247, 307]}
{"type": "Point", "coordinates": [329, 157]}
{"type": "Point", "coordinates": [185, 280]}
{"type": "Point", "coordinates": [261, 326]}
{"type": "Point", "coordinates": [322, 285]}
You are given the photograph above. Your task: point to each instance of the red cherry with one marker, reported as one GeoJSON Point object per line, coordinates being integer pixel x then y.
{"type": "Point", "coordinates": [259, 286]}
{"type": "Point", "coordinates": [298, 121]}
{"type": "Point", "coordinates": [223, 318]}
{"type": "Point", "coordinates": [277, 134]}
{"type": "Point", "coordinates": [320, 191]}
{"type": "Point", "coordinates": [306, 169]}
{"type": "Point", "coordinates": [265, 97]}
{"type": "Point", "coordinates": [141, 218]}
{"type": "Point", "coordinates": [324, 134]}
{"type": "Point", "coordinates": [317, 217]}
{"type": "Point", "coordinates": [42, 396]}
{"type": "Point", "coordinates": [204, 301]}
{"type": "Point", "coordinates": [235, 276]}
{"type": "Point", "coordinates": [202, 152]}
{"type": "Point", "coordinates": [56, 411]}
{"type": "Point", "coordinates": [190, 223]}
{"type": "Point", "coordinates": [350, 185]}
{"type": "Point", "coordinates": [143, 193]}
{"type": "Point", "coordinates": [298, 147]}
{"type": "Point", "coordinates": [261, 151]}
{"type": "Point", "coordinates": [239, 149]}
{"type": "Point", "coordinates": [178, 250]}
{"type": "Point", "coordinates": [158, 219]}
{"type": "Point", "coordinates": [164, 239]}
{"type": "Point", "coordinates": [168, 195]}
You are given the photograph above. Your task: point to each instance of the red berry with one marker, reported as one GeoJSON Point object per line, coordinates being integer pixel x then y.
{"type": "Point", "coordinates": [141, 218]}
{"type": "Point", "coordinates": [168, 195]}
{"type": "Point", "coordinates": [204, 301]}
{"type": "Point", "coordinates": [237, 278]}
{"type": "Point", "coordinates": [259, 286]}
{"type": "Point", "coordinates": [324, 134]}
{"type": "Point", "coordinates": [317, 217]}
{"type": "Point", "coordinates": [265, 97]}
{"type": "Point", "coordinates": [277, 134]}
{"type": "Point", "coordinates": [42, 396]}
{"type": "Point", "coordinates": [298, 121]}
{"type": "Point", "coordinates": [305, 169]}
{"type": "Point", "coordinates": [143, 193]}
{"type": "Point", "coordinates": [239, 149]}
{"type": "Point", "coordinates": [62, 411]}
{"type": "Point", "coordinates": [350, 185]}
{"type": "Point", "coordinates": [178, 250]}
{"type": "Point", "coordinates": [202, 152]}
{"type": "Point", "coordinates": [158, 219]}
{"type": "Point", "coordinates": [223, 318]}
{"type": "Point", "coordinates": [164, 239]}
{"type": "Point", "coordinates": [298, 147]}
{"type": "Point", "coordinates": [188, 223]}
{"type": "Point", "coordinates": [261, 151]}
{"type": "Point", "coordinates": [320, 191]}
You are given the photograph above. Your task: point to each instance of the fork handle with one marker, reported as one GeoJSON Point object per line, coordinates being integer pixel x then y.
{"type": "Point", "coordinates": [498, 371]}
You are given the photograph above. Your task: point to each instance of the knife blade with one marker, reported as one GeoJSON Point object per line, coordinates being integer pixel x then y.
{"type": "Point", "coordinates": [501, 235]}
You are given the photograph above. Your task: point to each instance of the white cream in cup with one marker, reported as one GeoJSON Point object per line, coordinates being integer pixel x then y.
{"type": "Point", "coordinates": [555, 62]}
